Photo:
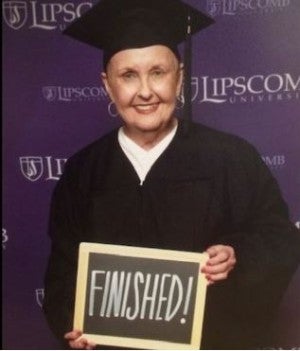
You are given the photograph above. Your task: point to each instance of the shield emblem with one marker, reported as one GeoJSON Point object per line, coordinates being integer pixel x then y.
{"type": "Point", "coordinates": [14, 13]}
{"type": "Point", "coordinates": [50, 93]}
{"type": "Point", "coordinates": [39, 296]}
{"type": "Point", "coordinates": [214, 7]}
{"type": "Point", "coordinates": [32, 167]}
{"type": "Point", "coordinates": [4, 238]}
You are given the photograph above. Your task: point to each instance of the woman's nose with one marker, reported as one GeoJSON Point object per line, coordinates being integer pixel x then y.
{"type": "Point", "coordinates": [145, 91]}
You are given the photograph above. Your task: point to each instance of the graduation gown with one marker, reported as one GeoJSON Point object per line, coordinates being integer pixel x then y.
{"type": "Point", "coordinates": [207, 188]}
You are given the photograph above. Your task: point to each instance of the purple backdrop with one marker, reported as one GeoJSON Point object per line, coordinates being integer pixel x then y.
{"type": "Point", "coordinates": [245, 81]}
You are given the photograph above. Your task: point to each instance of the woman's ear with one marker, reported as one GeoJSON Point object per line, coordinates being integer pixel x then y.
{"type": "Point", "coordinates": [106, 84]}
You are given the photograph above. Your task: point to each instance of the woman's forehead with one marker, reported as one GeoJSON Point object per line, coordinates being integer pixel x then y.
{"type": "Point", "coordinates": [155, 55]}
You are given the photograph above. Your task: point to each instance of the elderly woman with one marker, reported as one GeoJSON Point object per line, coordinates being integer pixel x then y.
{"type": "Point", "coordinates": [156, 183]}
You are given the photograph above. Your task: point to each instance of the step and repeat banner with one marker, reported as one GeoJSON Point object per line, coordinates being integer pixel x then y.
{"type": "Point", "coordinates": [246, 81]}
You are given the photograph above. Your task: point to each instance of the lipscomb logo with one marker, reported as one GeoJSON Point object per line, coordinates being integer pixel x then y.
{"type": "Point", "coordinates": [274, 161]}
{"type": "Point", "coordinates": [34, 168]}
{"type": "Point", "coordinates": [39, 296]}
{"type": "Point", "coordinates": [50, 93]}
{"type": "Point", "coordinates": [42, 15]}
{"type": "Point", "coordinates": [235, 7]}
{"type": "Point", "coordinates": [4, 238]}
{"type": "Point", "coordinates": [74, 94]}
{"type": "Point", "coordinates": [15, 13]}
{"type": "Point", "coordinates": [258, 88]}
{"type": "Point", "coordinates": [214, 7]}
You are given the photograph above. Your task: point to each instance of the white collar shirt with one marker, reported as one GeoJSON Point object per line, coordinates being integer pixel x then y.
{"type": "Point", "coordinates": [142, 160]}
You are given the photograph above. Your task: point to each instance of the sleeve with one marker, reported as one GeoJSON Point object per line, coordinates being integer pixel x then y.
{"type": "Point", "coordinates": [266, 243]}
{"type": "Point", "coordinates": [265, 240]}
{"type": "Point", "coordinates": [65, 231]}
{"type": "Point", "coordinates": [241, 309]}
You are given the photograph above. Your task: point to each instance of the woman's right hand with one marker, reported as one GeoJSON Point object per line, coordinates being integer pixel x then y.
{"type": "Point", "coordinates": [77, 342]}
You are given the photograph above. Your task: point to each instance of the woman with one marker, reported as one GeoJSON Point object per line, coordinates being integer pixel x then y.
{"type": "Point", "coordinates": [154, 183]}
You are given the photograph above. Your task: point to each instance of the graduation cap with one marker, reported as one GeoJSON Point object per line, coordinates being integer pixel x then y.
{"type": "Point", "coordinates": [115, 25]}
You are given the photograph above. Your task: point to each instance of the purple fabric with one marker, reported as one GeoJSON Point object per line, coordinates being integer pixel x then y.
{"type": "Point", "coordinates": [245, 81]}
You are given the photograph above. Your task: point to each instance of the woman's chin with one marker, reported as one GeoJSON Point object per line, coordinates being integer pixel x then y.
{"type": "Point", "coordinates": [151, 124]}
{"type": "Point", "coordinates": [150, 127]}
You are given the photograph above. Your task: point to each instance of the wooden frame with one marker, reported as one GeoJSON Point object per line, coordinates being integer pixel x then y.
{"type": "Point", "coordinates": [87, 289]}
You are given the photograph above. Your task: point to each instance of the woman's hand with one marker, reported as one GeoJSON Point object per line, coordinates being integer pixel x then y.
{"type": "Point", "coordinates": [221, 261]}
{"type": "Point", "coordinates": [77, 342]}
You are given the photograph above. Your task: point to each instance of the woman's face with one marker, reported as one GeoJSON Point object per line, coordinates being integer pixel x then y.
{"type": "Point", "coordinates": [144, 83]}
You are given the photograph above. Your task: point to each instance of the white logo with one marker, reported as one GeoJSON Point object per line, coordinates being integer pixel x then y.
{"type": "Point", "coordinates": [257, 88]}
{"type": "Point", "coordinates": [39, 296]}
{"type": "Point", "coordinates": [74, 94]}
{"type": "Point", "coordinates": [214, 7]}
{"type": "Point", "coordinates": [42, 15]}
{"type": "Point", "coordinates": [14, 13]}
{"type": "Point", "coordinates": [34, 167]}
{"type": "Point", "coordinates": [4, 238]}
{"type": "Point", "coordinates": [233, 7]}
{"type": "Point", "coordinates": [50, 93]}
{"type": "Point", "coordinates": [274, 161]}
{"type": "Point", "coordinates": [195, 88]}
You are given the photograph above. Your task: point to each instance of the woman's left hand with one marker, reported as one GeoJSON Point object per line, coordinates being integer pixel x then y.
{"type": "Point", "coordinates": [221, 261]}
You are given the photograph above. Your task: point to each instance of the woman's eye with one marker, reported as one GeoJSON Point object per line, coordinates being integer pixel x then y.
{"type": "Point", "coordinates": [157, 73]}
{"type": "Point", "coordinates": [129, 75]}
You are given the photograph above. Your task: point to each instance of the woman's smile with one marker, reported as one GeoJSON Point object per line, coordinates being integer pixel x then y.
{"type": "Point", "coordinates": [146, 109]}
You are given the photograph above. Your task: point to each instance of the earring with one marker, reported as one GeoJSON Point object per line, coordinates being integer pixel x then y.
{"type": "Point", "coordinates": [180, 101]}
{"type": "Point", "coordinates": [112, 110]}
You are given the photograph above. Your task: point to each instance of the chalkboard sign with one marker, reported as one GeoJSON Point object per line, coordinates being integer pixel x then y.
{"type": "Point", "coordinates": [140, 298]}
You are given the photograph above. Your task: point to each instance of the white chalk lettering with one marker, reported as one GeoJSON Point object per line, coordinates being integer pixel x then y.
{"type": "Point", "coordinates": [161, 297]}
{"type": "Point", "coordinates": [188, 296]}
{"type": "Point", "coordinates": [137, 277]}
{"type": "Point", "coordinates": [105, 294]}
{"type": "Point", "coordinates": [115, 295]}
{"type": "Point", "coordinates": [138, 295]}
{"type": "Point", "coordinates": [175, 282]}
{"type": "Point", "coordinates": [148, 297]}
{"type": "Point", "coordinates": [126, 292]}
{"type": "Point", "coordinates": [93, 288]}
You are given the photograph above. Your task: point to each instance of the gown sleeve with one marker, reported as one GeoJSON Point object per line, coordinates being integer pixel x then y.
{"type": "Point", "coordinates": [267, 244]}
{"type": "Point", "coordinates": [241, 309]}
{"type": "Point", "coordinates": [65, 231]}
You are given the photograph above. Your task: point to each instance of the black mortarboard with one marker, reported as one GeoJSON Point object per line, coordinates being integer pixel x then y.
{"type": "Point", "coordinates": [115, 25]}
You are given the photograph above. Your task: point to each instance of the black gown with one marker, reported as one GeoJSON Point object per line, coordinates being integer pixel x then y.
{"type": "Point", "coordinates": [207, 188]}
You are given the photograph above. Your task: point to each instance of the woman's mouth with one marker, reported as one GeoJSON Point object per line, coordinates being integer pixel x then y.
{"type": "Point", "coordinates": [146, 108]}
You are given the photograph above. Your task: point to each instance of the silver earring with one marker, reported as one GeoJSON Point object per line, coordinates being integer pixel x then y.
{"type": "Point", "coordinates": [112, 110]}
{"type": "Point", "coordinates": [180, 101]}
